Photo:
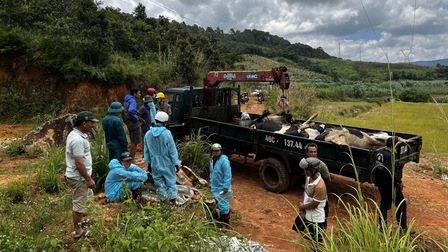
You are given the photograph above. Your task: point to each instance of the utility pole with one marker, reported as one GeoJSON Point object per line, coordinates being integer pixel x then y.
{"type": "Point", "coordinates": [340, 50]}
{"type": "Point", "coordinates": [360, 53]}
{"type": "Point", "coordinates": [406, 55]}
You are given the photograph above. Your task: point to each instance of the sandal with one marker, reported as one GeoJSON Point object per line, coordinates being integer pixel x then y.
{"type": "Point", "coordinates": [85, 233]}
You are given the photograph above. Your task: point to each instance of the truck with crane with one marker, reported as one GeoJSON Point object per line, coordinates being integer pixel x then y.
{"type": "Point", "coordinates": [216, 112]}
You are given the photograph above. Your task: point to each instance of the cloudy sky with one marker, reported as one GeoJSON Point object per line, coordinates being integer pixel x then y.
{"type": "Point", "coordinates": [367, 30]}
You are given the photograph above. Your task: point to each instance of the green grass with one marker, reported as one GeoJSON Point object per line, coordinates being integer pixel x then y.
{"type": "Point", "coordinates": [425, 119]}
{"type": "Point", "coordinates": [196, 153]}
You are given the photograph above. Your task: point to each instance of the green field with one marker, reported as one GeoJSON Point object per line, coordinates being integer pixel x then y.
{"type": "Point", "coordinates": [426, 119]}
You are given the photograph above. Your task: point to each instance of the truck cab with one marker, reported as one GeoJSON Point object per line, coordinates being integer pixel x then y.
{"type": "Point", "coordinates": [218, 104]}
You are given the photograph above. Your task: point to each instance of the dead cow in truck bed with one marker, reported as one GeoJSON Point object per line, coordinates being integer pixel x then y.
{"type": "Point", "coordinates": [346, 137]}
{"type": "Point", "coordinates": [277, 127]}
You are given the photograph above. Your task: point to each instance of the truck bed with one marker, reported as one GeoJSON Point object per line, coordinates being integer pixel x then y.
{"type": "Point", "coordinates": [266, 144]}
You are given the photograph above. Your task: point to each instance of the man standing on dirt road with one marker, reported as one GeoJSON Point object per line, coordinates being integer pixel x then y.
{"type": "Point", "coordinates": [78, 170]}
{"type": "Point", "coordinates": [220, 181]}
{"type": "Point", "coordinates": [311, 151]}
{"type": "Point", "coordinates": [389, 183]}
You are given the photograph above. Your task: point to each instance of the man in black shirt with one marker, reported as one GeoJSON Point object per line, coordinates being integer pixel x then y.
{"type": "Point", "coordinates": [388, 181]}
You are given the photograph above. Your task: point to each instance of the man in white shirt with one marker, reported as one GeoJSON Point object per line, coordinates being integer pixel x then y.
{"type": "Point", "coordinates": [78, 170]}
{"type": "Point", "coordinates": [311, 210]}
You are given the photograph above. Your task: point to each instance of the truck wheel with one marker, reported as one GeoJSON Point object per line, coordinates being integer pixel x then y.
{"type": "Point", "coordinates": [274, 176]}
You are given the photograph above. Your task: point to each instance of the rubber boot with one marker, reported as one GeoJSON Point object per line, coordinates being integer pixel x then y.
{"type": "Point", "coordinates": [402, 222]}
{"type": "Point", "coordinates": [382, 217]}
{"type": "Point", "coordinates": [225, 219]}
{"type": "Point", "coordinates": [136, 194]}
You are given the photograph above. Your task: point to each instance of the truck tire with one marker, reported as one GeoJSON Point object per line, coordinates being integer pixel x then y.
{"type": "Point", "coordinates": [274, 176]}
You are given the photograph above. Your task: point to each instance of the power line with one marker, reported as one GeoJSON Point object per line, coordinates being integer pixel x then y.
{"type": "Point", "coordinates": [413, 30]}
{"type": "Point", "coordinates": [373, 29]}
{"type": "Point", "coordinates": [406, 55]}
{"type": "Point", "coordinates": [174, 12]}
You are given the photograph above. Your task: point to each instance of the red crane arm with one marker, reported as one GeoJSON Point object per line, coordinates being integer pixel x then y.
{"type": "Point", "coordinates": [274, 76]}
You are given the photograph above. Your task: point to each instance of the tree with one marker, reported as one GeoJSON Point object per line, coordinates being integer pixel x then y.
{"type": "Point", "coordinates": [186, 64]}
{"type": "Point", "coordinates": [140, 12]}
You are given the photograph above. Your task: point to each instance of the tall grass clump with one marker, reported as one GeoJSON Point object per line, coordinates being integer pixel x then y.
{"type": "Point", "coordinates": [17, 191]}
{"type": "Point", "coordinates": [49, 173]}
{"type": "Point", "coordinates": [361, 232]}
{"type": "Point", "coordinates": [159, 227]}
{"type": "Point", "coordinates": [14, 149]}
{"type": "Point", "coordinates": [304, 104]}
{"type": "Point", "coordinates": [195, 153]}
{"type": "Point", "coordinates": [100, 159]}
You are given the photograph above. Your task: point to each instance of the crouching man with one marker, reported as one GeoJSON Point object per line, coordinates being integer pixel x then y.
{"type": "Point", "coordinates": [124, 172]}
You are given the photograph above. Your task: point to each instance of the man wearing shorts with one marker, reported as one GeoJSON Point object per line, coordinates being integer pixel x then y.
{"type": "Point", "coordinates": [78, 170]}
{"type": "Point", "coordinates": [132, 119]}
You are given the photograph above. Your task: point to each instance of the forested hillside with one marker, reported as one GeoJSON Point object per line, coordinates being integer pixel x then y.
{"type": "Point", "coordinates": [83, 40]}
{"type": "Point", "coordinates": [50, 50]}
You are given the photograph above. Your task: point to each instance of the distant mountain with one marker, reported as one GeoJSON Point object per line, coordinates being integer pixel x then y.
{"type": "Point", "coordinates": [431, 62]}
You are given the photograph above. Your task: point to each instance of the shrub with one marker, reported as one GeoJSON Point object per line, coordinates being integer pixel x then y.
{"type": "Point", "coordinates": [14, 41]}
{"type": "Point", "coordinates": [304, 104]}
{"type": "Point", "coordinates": [15, 148]}
{"type": "Point", "coordinates": [414, 95]}
{"type": "Point", "coordinates": [159, 228]}
{"type": "Point", "coordinates": [13, 98]}
{"type": "Point", "coordinates": [195, 153]}
{"type": "Point", "coordinates": [100, 159]}
{"type": "Point", "coordinates": [12, 101]}
{"type": "Point", "coordinates": [17, 190]}
{"type": "Point", "coordinates": [49, 172]}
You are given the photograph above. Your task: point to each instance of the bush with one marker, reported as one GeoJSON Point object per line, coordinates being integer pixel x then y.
{"type": "Point", "coordinates": [14, 41]}
{"type": "Point", "coordinates": [100, 159]}
{"type": "Point", "coordinates": [17, 190]}
{"type": "Point", "coordinates": [13, 100]}
{"type": "Point", "coordinates": [414, 95]}
{"type": "Point", "coordinates": [15, 148]}
{"type": "Point", "coordinates": [17, 241]}
{"type": "Point", "coordinates": [48, 175]}
{"type": "Point", "coordinates": [304, 104]}
{"type": "Point", "coordinates": [159, 228]}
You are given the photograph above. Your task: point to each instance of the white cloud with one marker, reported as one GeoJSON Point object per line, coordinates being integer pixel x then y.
{"type": "Point", "coordinates": [354, 29]}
